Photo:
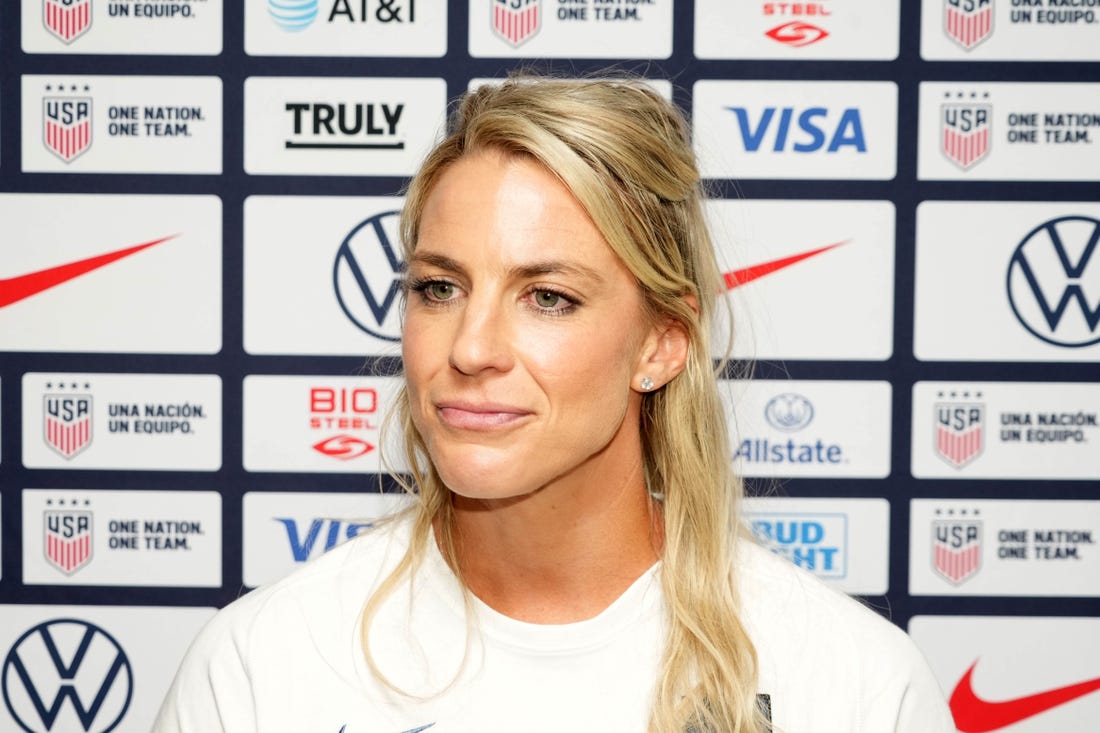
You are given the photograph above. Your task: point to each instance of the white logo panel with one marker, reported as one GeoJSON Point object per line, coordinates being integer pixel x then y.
{"type": "Point", "coordinates": [321, 424]}
{"type": "Point", "coordinates": [342, 28]}
{"type": "Point", "coordinates": [845, 542]}
{"type": "Point", "coordinates": [993, 664]}
{"type": "Point", "coordinates": [342, 256]}
{"type": "Point", "coordinates": [1000, 131]}
{"type": "Point", "coordinates": [130, 656]}
{"type": "Point", "coordinates": [1007, 281]}
{"type": "Point", "coordinates": [576, 29]}
{"type": "Point", "coordinates": [176, 27]}
{"type": "Point", "coordinates": [829, 29]}
{"type": "Point", "coordinates": [127, 538]}
{"type": "Point", "coordinates": [152, 422]}
{"type": "Point", "coordinates": [340, 126]}
{"type": "Point", "coordinates": [807, 428]}
{"type": "Point", "coordinates": [1006, 430]}
{"type": "Point", "coordinates": [1004, 548]}
{"type": "Point", "coordinates": [282, 531]}
{"type": "Point", "coordinates": [122, 124]}
{"type": "Point", "coordinates": [807, 279]}
{"type": "Point", "coordinates": [1009, 30]}
{"type": "Point", "coordinates": [111, 273]}
{"type": "Point", "coordinates": [789, 129]}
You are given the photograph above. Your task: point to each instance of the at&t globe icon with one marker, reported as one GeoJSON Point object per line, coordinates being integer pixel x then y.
{"type": "Point", "coordinates": [293, 15]}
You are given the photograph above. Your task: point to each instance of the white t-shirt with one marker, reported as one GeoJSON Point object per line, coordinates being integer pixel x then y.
{"type": "Point", "coordinates": [287, 658]}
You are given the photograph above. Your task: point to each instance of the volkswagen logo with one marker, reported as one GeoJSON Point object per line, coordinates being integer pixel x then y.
{"type": "Point", "coordinates": [1051, 288]}
{"type": "Point", "coordinates": [367, 276]}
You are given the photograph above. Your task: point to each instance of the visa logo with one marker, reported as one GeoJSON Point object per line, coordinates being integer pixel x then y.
{"type": "Point", "coordinates": [303, 540]}
{"type": "Point", "coordinates": [808, 131]}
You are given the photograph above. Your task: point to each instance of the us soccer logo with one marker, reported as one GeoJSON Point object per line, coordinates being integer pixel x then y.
{"type": "Point", "coordinates": [967, 127]}
{"type": "Point", "coordinates": [67, 423]}
{"type": "Point", "coordinates": [67, 19]}
{"type": "Point", "coordinates": [968, 22]}
{"type": "Point", "coordinates": [67, 539]}
{"type": "Point", "coordinates": [67, 125]}
{"type": "Point", "coordinates": [516, 21]}
{"type": "Point", "coordinates": [956, 549]}
{"type": "Point", "coordinates": [960, 431]}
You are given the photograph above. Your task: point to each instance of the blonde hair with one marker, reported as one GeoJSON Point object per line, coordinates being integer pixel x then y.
{"type": "Point", "coordinates": [625, 154]}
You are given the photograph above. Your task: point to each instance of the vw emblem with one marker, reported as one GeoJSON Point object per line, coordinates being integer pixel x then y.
{"type": "Point", "coordinates": [367, 276]}
{"type": "Point", "coordinates": [1051, 289]}
{"type": "Point", "coordinates": [67, 675]}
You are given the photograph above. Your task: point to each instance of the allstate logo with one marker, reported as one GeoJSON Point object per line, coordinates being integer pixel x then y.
{"type": "Point", "coordinates": [789, 412]}
{"type": "Point", "coordinates": [67, 675]}
{"type": "Point", "coordinates": [1051, 289]}
{"type": "Point", "coordinates": [293, 15]}
{"type": "Point", "coordinates": [367, 276]}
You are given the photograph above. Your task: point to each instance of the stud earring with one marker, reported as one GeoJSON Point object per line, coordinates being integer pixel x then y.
{"type": "Point", "coordinates": [646, 384]}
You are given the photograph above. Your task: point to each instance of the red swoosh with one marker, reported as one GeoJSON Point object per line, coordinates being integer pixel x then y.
{"type": "Point", "coordinates": [975, 715]}
{"type": "Point", "coordinates": [747, 274]}
{"type": "Point", "coordinates": [20, 287]}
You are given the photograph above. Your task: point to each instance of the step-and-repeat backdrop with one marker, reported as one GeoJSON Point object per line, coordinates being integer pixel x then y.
{"type": "Point", "coordinates": [199, 309]}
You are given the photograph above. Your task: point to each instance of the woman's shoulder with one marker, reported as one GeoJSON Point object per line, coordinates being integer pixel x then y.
{"type": "Point", "coordinates": [328, 591]}
{"type": "Point", "coordinates": [819, 646]}
{"type": "Point", "coordinates": [778, 594]}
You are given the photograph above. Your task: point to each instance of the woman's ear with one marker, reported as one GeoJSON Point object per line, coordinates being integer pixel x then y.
{"type": "Point", "coordinates": [664, 352]}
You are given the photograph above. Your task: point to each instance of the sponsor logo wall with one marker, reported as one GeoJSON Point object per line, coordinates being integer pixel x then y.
{"type": "Point", "coordinates": [200, 308]}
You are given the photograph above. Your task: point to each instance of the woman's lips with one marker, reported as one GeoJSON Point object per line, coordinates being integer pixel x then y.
{"type": "Point", "coordinates": [479, 416]}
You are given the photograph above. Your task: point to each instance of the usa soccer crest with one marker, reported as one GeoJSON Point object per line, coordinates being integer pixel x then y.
{"type": "Point", "coordinates": [67, 126]}
{"type": "Point", "coordinates": [960, 431]}
{"type": "Point", "coordinates": [68, 539]}
{"type": "Point", "coordinates": [68, 423]}
{"type": "Point", "coordinates": [67, 19]}
{"type": "Point", "coordinates": [968, 22]}
{"type": "Point", "coordinates": [956, 549]}
{"type": "Point", "coordinates": [966, 127]}
{"type": "Point", "coordinates": [516, 20]}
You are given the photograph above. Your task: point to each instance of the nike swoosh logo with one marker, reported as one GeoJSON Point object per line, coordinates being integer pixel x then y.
{"type": "Point", "coordinates": [21, 287]}
{"type": "Point", "coordinates": [746, 275]}
{"type": "Point", "coordinates": [976, 715]}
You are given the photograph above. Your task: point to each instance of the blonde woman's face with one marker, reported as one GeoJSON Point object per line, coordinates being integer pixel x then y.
{"type": "Point", "coordinates": [524, 336]}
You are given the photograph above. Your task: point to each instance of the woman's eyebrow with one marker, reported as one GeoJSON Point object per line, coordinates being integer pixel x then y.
{"type": "Point", "coordinates": [525, 270]}
{"type": "Point", "coordinates": [555, 267]}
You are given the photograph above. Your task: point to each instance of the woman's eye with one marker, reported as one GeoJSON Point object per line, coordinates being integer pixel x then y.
{"type": "Point", "coordinates": [547, 299]}
{"type": "Point", "coordinates": [441, 290]}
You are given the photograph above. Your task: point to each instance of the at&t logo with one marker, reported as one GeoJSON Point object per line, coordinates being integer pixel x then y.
{"type": "Point", "coordinates": [1051, 288]}
{"type": "Point", "coordinates": [67, 675]}
{"type": "Point", "coordinates": [293, 15]}
{"type": "Point", "coordinates": [367, 276]}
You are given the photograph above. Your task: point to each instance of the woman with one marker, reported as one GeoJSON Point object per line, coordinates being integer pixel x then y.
{"type": "Point", "coordinates": [574, 560]}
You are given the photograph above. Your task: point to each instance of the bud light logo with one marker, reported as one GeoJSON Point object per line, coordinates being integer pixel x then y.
{"type": "Point", "coordinates": [367, 276]}
{"type": "Point", "coordinates": [809, 130]}
{"type": "Point", "coordinates": [1052, 290]}
{"type": "Point", "coordinates": [293, 15]}
{"type": "Point", "coordinates": [817, 542]}
{"type": "Point", "coordinates": [67, 675]}
{"type": "Point", "coordinates": [789, 412]}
